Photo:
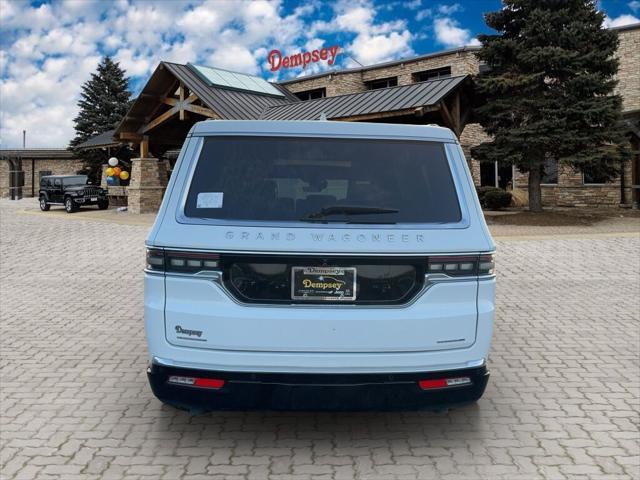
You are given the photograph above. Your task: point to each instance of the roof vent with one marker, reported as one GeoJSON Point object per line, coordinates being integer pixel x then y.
{"type": "Point", "coordinates": [323, 117]}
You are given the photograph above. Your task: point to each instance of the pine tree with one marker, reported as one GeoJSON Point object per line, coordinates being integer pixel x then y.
{"type": "Point", "coordinates": [103, 102]}
{"type": "Point", "coordinates": [548, 91]}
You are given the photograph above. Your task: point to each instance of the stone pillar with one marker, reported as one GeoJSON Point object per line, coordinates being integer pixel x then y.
{"type": "Point", "coordinates": [103, 177]}
{"type": "Point", "coordinates": [147, 185]}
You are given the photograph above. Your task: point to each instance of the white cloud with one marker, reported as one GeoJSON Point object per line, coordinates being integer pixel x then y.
{"type": "Point", "coordinates": [450, 9]}
{"type": "Point", "coordinates": [449, 33]}
{"type": "Point", "coordinates": [236, 58]}
{"type": "Point", "coordinates": [634, 5]}
{"type": "Point", "coordinates": [48, 51]}
{"type": "Point", "coordinates": [374, 41]}
{"type": "Point", "coordinates": [620, 21]}
{"type": "Point", "coordinates": [422, 14]}
{"type": "Point", "coordinates": [413, 4]}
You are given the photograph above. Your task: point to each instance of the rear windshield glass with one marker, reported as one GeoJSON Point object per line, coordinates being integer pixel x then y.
{"type": "Point", "coordinates": [322, 180]}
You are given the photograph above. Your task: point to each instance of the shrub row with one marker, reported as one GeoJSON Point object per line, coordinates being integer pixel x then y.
{"type": "Point", "coordinates": [493, 198]}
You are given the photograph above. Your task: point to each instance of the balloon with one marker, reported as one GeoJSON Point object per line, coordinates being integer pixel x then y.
{"type": "Point", "coordinates": [116, 171]}
{"type": "Point", "coordinates": [113, 161]}
{"type": "Point", "coordinates": [109, 172]}
{"type": "Point", "coordinates": [124, 175]}
{"type": "Point", "coordinates": [110, 180]}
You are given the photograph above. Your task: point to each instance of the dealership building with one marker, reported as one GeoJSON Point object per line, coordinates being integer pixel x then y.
{"type": "Point", "coordinates": [436, 88]}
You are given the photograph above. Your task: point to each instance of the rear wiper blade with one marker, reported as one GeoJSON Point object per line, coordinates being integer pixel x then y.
{"type": "Point", "coordinates": [349, 210]}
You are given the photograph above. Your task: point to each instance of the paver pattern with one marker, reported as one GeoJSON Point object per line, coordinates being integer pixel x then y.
{"type": "Point", "coordinates": [563, 401]}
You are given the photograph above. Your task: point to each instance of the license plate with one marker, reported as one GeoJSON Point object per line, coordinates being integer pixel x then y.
{"type": "Point", "coordinates": [94, 199]}
{"type": "Point", "coordinates": [323, 283]}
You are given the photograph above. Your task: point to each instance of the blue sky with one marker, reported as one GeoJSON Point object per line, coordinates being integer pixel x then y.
{"type": "Point", "coordinates": [49, 48]}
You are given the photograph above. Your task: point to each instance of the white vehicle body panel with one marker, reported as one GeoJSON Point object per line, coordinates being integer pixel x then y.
{"type": "Point", "coordinates": [447, 325]}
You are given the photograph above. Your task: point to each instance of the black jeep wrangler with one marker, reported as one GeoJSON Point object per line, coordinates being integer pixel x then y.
{"type": "Point", "coordinates": [72, 191]}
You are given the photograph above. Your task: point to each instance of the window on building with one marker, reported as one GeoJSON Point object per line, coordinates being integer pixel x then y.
{"type": "Point", "coordinates": [433, 74]}
{"type": "Point", "coordinates": [382, 83]}
{"type": "Point", "coordinates": [550, 172]}
{"type": "Point", "coordinates": [593, 175]}
{"type": "Point", "coordinates": [312, 94]}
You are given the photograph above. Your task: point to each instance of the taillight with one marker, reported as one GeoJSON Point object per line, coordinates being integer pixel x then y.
{"type": "Point", "coordinates": [155, 259]}
{"type": "Point", "coordinates": [182, 262]}
{"type": "Point", "coordinates": [214, 383]}
{"type": "Point", "coordinates": [436, 383]}
{"type": "Point", "coordinates": [486, 264]}
{"type": "Point", "coordinates": [461, 265]}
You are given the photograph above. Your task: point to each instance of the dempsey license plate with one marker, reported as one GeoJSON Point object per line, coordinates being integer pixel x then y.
{"type": "Point", "coordinates": [323, 283]}
{"type": "Point", "coordinates": [94, 199]}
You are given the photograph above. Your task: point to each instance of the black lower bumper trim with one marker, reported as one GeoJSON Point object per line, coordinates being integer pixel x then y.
{"type": "Point", "coordinates": [313, 392]}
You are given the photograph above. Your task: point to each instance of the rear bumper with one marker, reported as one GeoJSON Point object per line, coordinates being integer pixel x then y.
{"type": "Point", "coordinates": [299, 391]}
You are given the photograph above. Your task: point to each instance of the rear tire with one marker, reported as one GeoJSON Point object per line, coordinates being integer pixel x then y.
{"type": "Point", "coordinates": [103, 204]}
{"type": "Point", "coordinates": [44, 206]}
{"type": "Point", "coordinates": [69, 205]}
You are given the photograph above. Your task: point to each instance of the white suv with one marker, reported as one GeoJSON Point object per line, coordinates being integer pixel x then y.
{"type": "Point", "coordinates": [319, 265]}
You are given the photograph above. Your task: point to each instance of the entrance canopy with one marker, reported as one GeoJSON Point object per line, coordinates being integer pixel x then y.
{"type": "Point", "coordinates": [176, 96]}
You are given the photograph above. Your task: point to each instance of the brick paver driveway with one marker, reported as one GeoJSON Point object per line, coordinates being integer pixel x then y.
{"type": "Point", "coordinates": [563, 400]}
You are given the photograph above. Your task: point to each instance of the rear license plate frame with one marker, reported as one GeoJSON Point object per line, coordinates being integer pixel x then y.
{"type": "Point", "coordinates": [346, 277]}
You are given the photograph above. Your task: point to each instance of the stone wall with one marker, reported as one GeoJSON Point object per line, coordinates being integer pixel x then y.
{"type": "Point", "coordinates": [68, 166]}
{"type": "Point", "coordinates": [629, 68]}
{"type": "Point", "coordinates": [472, 135]}
{"type": "Point", "coordinates": [571, 191]}
{"type": "Point", "coordinates": [149, 178]}
{"type": "Point", "coordinates": [462, 62]}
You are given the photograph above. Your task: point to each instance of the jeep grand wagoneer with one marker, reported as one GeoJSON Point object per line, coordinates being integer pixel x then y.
{"type": "Point", "coordinates": [319, 265]}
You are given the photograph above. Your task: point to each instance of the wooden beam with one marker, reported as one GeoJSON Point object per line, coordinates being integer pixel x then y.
{"type": "Point", "coordinates": [159, 104]}
{"type": "Point", "coordinates": [135, 137]}
{"type": "Point", "coordinates": [447, 117]}
{"type": "Point", "coordinates": [456, 113]}
{"type": "Point", "coordinates": [181, 94]}
{"type": "Point", "coordinates": [373, 116]}
{"type": "Point", "coordinates": [420, 111]}
{"type": "Point", "coordinates": [191, 98]}
{"type": "Point", "coordinates": [159, 119]}
{"type": "Point", "coordinates": [170, 101]}
{"type": "Point", "coordinates": [207, 112]}
{"type": "Point", "coordinates": [144, 147]}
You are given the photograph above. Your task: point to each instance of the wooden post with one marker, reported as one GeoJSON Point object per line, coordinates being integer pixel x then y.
{"type": "Point", "coordinates": [456, 114]}
{"type": "Point", "coordinates": [144, 147]}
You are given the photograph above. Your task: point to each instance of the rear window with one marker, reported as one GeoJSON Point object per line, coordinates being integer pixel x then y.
{"type": "Point", "coordinates": [322, 180]}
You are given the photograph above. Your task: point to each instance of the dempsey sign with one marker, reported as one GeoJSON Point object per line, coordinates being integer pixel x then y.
{"type": "Point", "coordinates": [277, 60]}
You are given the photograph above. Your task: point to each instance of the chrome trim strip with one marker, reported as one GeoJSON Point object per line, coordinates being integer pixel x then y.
{"type": "Point", "coordinates": [199, 366]}
{"type": "Point", "coordinates": [321, 254]}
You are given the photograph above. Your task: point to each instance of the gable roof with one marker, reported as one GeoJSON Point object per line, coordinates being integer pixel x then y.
{"type": "Point", "coordinates": [101, 140]}
{"type": "Point", "coordinates": [227, 103]}
{"type": "Point", "coordinates": [230, 104]}
{"type": "Point", "coordinates": [390, 99]}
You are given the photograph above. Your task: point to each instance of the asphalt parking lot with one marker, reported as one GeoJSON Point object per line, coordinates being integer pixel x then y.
{"type": "Point", "coordinates": [563, 400]}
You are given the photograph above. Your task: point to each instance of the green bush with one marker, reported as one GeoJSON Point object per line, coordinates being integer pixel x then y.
{"type": "Point", "coordinates": [482, 192]}
{"type": "Point", "coordinates": [497, 199]}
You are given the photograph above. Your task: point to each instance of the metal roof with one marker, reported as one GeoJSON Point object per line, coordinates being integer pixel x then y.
{"type": "Point", "coordinates": [372, 101]}
{"type": "Point", "coordinates": [38, 153]}
{"type": "Point", "coordinates": [230, 104]}
{"type": "Point", "coordinates": [101, 140]}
